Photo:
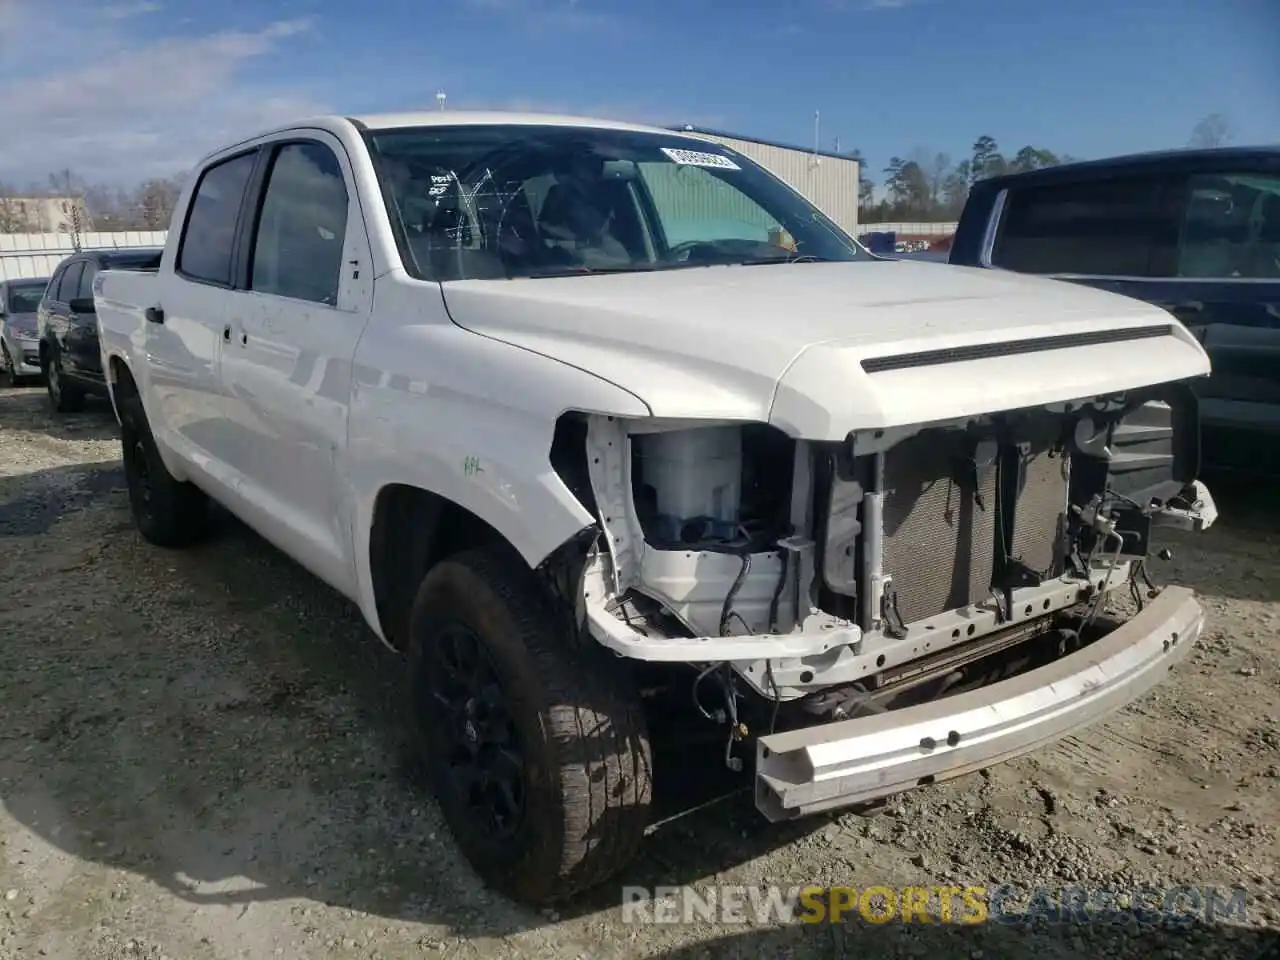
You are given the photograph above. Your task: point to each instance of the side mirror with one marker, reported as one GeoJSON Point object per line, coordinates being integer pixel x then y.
{"type": "Point", "coordinates": [82, 305]}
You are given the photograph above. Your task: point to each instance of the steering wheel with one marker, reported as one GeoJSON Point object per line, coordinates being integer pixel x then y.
{"type": "Point", "coordinates": [681, 251]}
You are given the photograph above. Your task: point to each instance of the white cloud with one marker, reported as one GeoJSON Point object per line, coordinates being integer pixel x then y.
{"type": "Point", "coordinates": [123, 11]}
{"type": "Point", "coordinates": [548, 16]}
{"type": "Point", "coordinates": [128, 108]}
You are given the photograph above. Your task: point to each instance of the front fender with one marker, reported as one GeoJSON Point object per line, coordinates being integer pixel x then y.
{"type": "Point", "coordinates": [472, 420]}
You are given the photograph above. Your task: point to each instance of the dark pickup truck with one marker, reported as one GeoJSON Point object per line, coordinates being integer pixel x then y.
{"type": "Point", "coordinates": [1194, 231]}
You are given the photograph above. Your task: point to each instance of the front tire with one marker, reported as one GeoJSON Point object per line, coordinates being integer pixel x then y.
{"type": "Point", "coordinates": [537, 749]}
{"type": "Point", "coordinates": [168, 512]}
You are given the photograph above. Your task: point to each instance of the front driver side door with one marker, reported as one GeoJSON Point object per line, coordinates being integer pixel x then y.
{"type": "Point", "coordinates": [291, 336]}
{"type": "Point", "coordinates": [56, 323]}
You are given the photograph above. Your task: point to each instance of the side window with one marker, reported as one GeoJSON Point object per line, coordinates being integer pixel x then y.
{"type": "Point", "coordinates": [687, 197]}
{"type": "Point", "coordinates": [1116, 228]}
{"type": "Point", "coordinates": [297, 249]}
{"type": "Point", "coordinates": [205, 253]}
{"type": "Point", "coordinates": [55, 283]}
{"type": "Point", "coordinates": [70, 282]}
{"type": "Point", "coordinates": [86, 281]}
{"type": "Point", "coordinates": [1231, 228]}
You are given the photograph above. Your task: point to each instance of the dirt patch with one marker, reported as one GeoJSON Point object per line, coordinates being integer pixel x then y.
{"type": "Point", "coordinates": [202, 757]}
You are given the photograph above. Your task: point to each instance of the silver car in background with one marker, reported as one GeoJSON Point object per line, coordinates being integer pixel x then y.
{"type": "Point", "coordinates": [19, 342]}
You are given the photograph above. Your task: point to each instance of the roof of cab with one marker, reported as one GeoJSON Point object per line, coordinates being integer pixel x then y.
{"type": "Point", "coordinates": [441, 118]}
{"type": "Point", "coordinates": [433, 118]}
{"type": "Point", "coordinates": [1154, 159]}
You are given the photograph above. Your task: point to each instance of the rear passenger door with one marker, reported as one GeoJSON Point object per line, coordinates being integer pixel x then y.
{"type": "Point", "coordinates": [184, 331]}
{"type": "Point", "coordinates": [291, 336]}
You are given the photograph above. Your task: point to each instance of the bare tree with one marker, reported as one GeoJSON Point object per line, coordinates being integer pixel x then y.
{"type": "Point", "coordinates": [69, 190]}
{"type": "Point", "coordinates": [111, 208]}
{"type": "Point", "coordinates": [938, 169]}
{"type": "Point", "coordinates": [14, 215]}
{"type": "Point", "coordinates": [155, 202]}
{"type": "Point", "coordinates": [1211, 131]}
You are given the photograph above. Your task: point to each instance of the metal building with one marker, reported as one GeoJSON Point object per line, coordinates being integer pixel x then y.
{"type": "Point", "coordinates": [829, 180]}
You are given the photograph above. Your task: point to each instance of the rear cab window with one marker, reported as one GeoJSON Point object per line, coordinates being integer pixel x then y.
{"type": "Point", "coordinates": [1231, 230]}
{"type": "Point", "coordinates": [1155, 225]}
{"type": "Point", "coordinates": [1121, 227]}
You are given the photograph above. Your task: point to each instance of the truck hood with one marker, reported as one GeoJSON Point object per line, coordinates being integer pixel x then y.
{"type": "Point", "coordinates": [786, 344]}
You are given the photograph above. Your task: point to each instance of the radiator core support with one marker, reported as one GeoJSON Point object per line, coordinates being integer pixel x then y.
{"type": "Point", "coordinates": [962, 517]}
{"type": "Point", "coordinates": [939, 521]}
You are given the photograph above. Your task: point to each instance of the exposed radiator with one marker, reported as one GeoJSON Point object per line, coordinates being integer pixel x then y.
{"type": "Point", "coordinates": [939, 544]}
{"type": "Point", "coordinates": [1040, 512]}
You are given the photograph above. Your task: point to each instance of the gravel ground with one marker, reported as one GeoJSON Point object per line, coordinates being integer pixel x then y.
{"type": "Point", "coordinates": [201, 757]}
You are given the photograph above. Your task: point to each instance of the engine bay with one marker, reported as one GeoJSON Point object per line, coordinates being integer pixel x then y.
{"type": "Point", "coordinates": [835, 579]}
{"type": "Point", "coordinates": [901, 529]}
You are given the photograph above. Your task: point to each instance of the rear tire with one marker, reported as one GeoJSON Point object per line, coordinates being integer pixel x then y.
{"type": "Point", "coordinates": [65, 397]}
{"type": "Point", "coordinates": [168, 512]}
{"type": "Point", "coordinates": [537, 749]}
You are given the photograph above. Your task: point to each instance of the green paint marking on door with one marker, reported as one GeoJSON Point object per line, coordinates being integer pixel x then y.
{"type": "Point", "coordinates": [471, 466]}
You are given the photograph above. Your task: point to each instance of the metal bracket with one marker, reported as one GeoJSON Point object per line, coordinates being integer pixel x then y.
{"type": "Point", "coordinates": [1200, 514]}
{"type": "Point", "coordinates": [608, 460]}
{"type": "Point", "coordinates": [893, 625]}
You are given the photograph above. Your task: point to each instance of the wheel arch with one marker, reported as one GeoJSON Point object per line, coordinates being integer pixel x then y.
{"type": "Point", "coordinates": [412, 530]}
{"type": "Point", "coordinates": [120, 382]}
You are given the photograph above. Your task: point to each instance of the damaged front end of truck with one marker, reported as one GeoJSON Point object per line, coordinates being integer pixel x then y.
{"type": "Point", "coordinates": [901, 605]}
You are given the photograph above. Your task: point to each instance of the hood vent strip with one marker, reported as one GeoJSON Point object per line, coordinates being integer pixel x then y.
{"type": "Point", "coordinates": [985, 351]}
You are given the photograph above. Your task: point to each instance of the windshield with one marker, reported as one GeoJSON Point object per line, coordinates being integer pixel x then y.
{"type": "Point", "coordinates": [483, 201]}
{"type": "Point", "coordinates": [24, 299]}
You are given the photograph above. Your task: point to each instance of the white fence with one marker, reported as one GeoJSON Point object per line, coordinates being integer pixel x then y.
{"type": "Point", "coordinates": [24, 255]}
{"type": "Point", "coordinates": [910, 229]}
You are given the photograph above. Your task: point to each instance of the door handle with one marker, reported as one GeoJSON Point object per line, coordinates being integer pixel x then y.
{"type": "Point", "coordinates": [154, 314]}
{"type": "Point", "coordinates": [226, 333]}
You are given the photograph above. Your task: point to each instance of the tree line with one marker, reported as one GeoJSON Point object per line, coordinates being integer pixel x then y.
{"type": "Point", "coordinates": [924, 186]}
{"type": "Point", "coordinates": [927, 186]}
{"type": "Point", "coordinates": [66, 202]}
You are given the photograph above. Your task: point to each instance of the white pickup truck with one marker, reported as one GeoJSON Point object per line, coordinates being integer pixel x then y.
{"type": "Point", "coordinates": [599, 423]}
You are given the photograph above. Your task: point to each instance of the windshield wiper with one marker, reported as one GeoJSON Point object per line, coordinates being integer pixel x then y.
{"type": "Point", "coordinates": [768, 261]}
{"type": "Point", "coordinates": [596, 271]}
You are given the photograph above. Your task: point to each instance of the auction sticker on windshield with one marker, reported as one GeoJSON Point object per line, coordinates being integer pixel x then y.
{"type": "Point", "coordinates": [695, 158]}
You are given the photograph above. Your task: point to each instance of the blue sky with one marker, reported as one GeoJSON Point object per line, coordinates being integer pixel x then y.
{"type": "Point", "coordinates": [152, 83]}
